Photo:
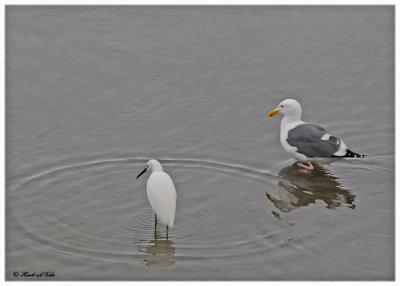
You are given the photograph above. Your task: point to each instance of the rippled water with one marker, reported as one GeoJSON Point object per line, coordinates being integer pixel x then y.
{"type": "Point", "coordinates": [94, 92]}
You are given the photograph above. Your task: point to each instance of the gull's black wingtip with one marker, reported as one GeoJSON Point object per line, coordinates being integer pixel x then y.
{"type": "Point", "coordinates": [352, 154]}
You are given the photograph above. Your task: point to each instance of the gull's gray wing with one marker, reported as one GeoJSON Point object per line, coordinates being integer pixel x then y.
{"type": "Point", "coordinates": [313, 141]}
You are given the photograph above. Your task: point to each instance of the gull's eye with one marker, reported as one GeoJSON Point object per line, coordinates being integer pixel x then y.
{"type": "Point", "coordinates": [281, 106]}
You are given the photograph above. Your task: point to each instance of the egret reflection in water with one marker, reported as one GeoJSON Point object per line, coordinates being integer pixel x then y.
{"type": "Point", "coordinates": [297, 190]}
{"type": "Point", "coordinates": [159, 251]}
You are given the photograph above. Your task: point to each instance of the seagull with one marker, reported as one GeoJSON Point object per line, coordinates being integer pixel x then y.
{"type": "Point", "coordinates": [161, 194]}
{"type": "Point", "coordinates": [304, 141]}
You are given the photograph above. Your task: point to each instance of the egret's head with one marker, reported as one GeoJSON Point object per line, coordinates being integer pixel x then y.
{"type": "Point", "coordinates": [287, 107]}
{"type": "Point", "coordinates": [153, 165]}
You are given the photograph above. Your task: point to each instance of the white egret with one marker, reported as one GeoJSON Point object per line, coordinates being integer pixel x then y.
{"type": "Point", "coordinates": [161, 193]}
{"type": "Point", "coordinates": [307, 142]}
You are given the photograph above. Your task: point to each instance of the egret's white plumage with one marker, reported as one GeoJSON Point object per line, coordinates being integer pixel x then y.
{"type": "Point", "coordinates": [161, 193]}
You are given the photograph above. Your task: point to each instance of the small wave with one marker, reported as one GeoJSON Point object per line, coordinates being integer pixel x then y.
{"type": "Point", "coordinates": [77, 210]}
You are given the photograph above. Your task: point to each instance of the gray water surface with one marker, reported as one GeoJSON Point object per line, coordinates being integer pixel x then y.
{"type": "Point", "coordinates": [93, 92]}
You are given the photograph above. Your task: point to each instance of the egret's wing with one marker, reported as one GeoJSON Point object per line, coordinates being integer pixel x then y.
{"type": "Point", "coordinates": [162, 196]}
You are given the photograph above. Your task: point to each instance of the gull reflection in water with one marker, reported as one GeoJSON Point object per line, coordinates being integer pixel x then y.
{"type": "Point", "coordinates": [159, 251]}
{"type": "Point", "coordinates": [296, 189]}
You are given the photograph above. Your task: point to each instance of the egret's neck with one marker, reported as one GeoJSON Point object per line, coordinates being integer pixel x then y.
{"type": "Point", "coordinates": [157, 168]}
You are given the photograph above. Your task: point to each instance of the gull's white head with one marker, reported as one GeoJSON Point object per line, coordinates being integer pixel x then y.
{"type": "Point", "coordinates": [153, 165]}
{"type": "Point", "coordinates": [288, 107]}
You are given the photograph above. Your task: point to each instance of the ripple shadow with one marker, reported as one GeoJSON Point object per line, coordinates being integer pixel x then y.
{"type": "Point", "coordinates": [93, 209]}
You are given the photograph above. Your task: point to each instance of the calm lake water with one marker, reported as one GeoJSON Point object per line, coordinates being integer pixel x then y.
{"type": "Point", "coordinates": [93, 92]}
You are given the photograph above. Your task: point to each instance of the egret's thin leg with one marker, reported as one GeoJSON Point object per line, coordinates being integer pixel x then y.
{"type": "Point", "coordinates": [155, 220]}
{"type": "Point", "coordinates": [167, 231]}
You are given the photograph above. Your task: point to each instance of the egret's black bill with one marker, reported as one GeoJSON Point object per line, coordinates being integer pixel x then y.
{"type": "Point", "coordinates": [141, 173]}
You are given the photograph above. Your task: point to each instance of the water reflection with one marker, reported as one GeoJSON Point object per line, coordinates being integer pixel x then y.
{"type": "Point", "coordinates": [160, 251]}
{"type": "Point", "coordinates": [296, 189]}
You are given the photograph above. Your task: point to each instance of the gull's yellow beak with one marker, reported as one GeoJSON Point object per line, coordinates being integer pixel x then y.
{"type": "Point", "coordinates": [272, 112]}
